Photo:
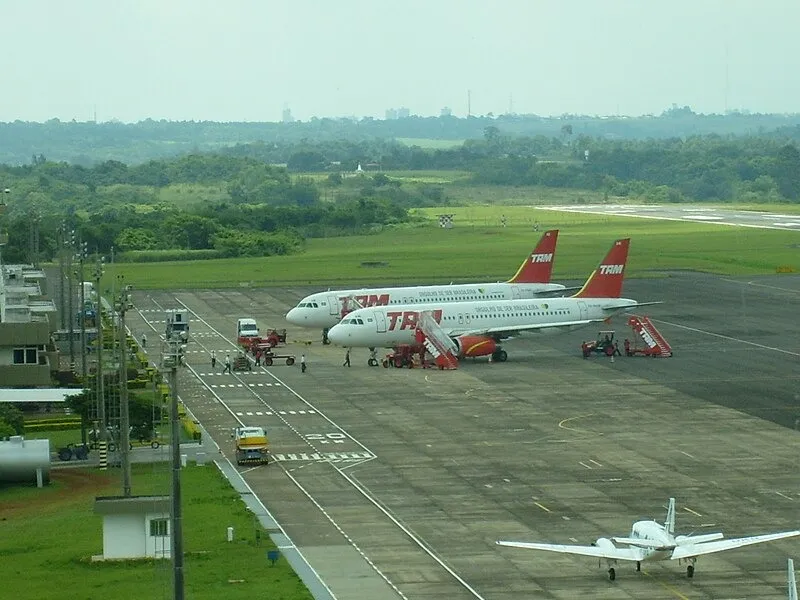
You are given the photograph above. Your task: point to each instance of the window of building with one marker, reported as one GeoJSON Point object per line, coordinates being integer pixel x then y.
{"type": "Point", "coordinates": [25, 356]}
{"type": "Point", "coordinates": [159, 528]}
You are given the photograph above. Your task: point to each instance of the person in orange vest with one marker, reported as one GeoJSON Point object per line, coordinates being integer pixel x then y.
{"type": "Point", "coordinates": [627, 347]}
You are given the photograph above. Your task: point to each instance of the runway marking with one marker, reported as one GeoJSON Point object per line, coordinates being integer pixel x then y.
{"type": "Point", "coordinates": [568, 419]}
{"type": "Point", "coordinates": [687, 509]}
{"type": "Point", "coordinates": [687, 454]}
{"type": "Point", "coordinates": [543, 507]}
{"type": "Point", "coordinates": [584, 465]}
{"type": "Point", "coordinates": [764, 285]}
{"type": "Point", "coordinates": [727, 337]}
{"type": "Point", "coordinates": [591, 460]}
{"type": "Point", "coordinates": [784, 496]}
{"type": "Point", "coordinates": [669, 588]}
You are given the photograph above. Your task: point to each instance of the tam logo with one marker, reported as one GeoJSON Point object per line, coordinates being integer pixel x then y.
{"type": "Point", "coordinates": [367, 300]}
{"type": "Point", "coordinates": [611, 269]}
{"type": "Point", "coordinates": [542, 258]}
{"type": "Point", "coordinates": [407, 319]}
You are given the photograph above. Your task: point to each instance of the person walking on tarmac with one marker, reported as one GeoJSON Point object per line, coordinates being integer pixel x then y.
{"type": "Point", "coordinates": [616, 349]}
{"type": "Point", "coordinates": [213, 359]}
{"type": "Point", "coordinates": [303, 363]}
{"type": "Point", "coordinates": [347, 358]}
{"type": "Point", "coordinates": [227, 368]}
{"type": "Point", "coordinates": [144, 341]}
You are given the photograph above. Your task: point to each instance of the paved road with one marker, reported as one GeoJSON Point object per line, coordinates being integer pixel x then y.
{"type": "Point", "coordinates": [396, 483]}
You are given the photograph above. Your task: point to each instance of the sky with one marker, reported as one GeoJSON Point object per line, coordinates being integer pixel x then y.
{"type": "Point", "coordinates": [245, 60]}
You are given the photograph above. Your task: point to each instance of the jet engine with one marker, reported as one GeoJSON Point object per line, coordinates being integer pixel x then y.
{"type": "Point", "coordinates": [605, 543]}
{"type": "Point", "coordinates": [475, 345]}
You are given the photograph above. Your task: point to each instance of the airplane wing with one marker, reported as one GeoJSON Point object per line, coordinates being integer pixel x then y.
{"type": "Point", "coordinates": [630, 306]}
{"type": "Point", "coordinates": [512, 329]}
{"type": "Point", "coordinates": [690, 550]}
{"type": "Point", "coordinates": [610, 552]}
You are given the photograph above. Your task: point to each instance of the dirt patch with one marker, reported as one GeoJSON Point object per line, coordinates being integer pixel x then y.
{"type": "Point", "coordinates": [66, 486]}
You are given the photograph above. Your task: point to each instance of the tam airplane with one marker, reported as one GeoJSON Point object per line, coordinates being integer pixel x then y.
{"type": "Point", "coordinates": [650, 541]}
{"type": "Point", "coordinates": [469, 329]}
{"type": "Point", "coordinates": [325, 309]}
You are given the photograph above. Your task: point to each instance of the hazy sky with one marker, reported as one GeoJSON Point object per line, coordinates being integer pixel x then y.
{"type": "Point", "coordinates": [242, 60]}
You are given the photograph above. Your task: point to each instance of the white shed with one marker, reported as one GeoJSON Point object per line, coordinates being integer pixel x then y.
{"type": "Point", "coordinates": [134, 526]}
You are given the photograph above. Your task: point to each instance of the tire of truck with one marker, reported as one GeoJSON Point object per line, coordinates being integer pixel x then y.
{"type": "Point", "coordinates": [385, 364]}
{"type": "Point", "coordinates": [290, 361]}
{"type": "Point", "coordinates": [154, 444]}
{"type": "Point", "coordinates": [398, 362]}
{"type": "Point", "coordinates": [65, 454]}
{"type": "Point", "coordinates": [111, 446]}
{"type": "Point", "coordinates": [267, 362]}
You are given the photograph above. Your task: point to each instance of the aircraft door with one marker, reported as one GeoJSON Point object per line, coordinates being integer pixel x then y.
{"type": "Point", "coordinates": [333, 305]}
{"type": "Point", "coordinates": [584, 310]}
{"type": "Point", "coordinates": [380, 321]}
{"type": "Point", "coordinates": [516, 293]}
{"type": "Point", "coordinates": [460, 319]}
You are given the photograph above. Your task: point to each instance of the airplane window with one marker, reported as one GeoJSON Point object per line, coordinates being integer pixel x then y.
{"type": "Point", "coordinates": [323, 304]}
{"type": "Point", "coordinates": [360, 322]}
{"type": "Point", "coordinates": [315, 305]}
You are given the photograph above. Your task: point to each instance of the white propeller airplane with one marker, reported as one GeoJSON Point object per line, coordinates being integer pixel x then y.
{"type": "Point", "coordinates": [792, 581]}
{"type": "Point", "coordinates": [650, 540]}
{"type": "Point", "coordinates": [477, 328]}
{"type": "Point", "coordinates": [325, 309]}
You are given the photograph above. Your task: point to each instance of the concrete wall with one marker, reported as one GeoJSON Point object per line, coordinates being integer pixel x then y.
{"type": "Point", "coordinates": [128, 536]}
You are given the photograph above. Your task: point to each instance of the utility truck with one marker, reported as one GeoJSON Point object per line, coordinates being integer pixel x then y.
{"type": "Point", "coordinates": [252, 446]}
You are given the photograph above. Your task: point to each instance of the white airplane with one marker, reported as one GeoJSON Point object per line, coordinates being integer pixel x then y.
{"type": "Point", "coordinates": [477, 328]}
{"type": "Point", "coordinates": [325, 309]}
{"type": "Point", "coordinates": [792, 581]}
{"type": "Point", "coordinates": [650, 540]}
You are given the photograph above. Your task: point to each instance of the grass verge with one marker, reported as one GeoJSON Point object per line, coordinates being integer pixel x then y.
{"type": "Point", "coordinates": [48, 537]}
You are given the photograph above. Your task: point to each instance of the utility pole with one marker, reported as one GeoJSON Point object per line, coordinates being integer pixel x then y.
{"type": "Point", "coordinates": [61, 235]}
{"type": "Point", "coordinates": [171, 361]}
{"type": "Point", "coordinates": [71, 315]}
{"type": "Point", "coordinates": [81, 257]}
{"type": "Point", "coordinates": [101, 396]}
{"type": "Point", "coordinates": [124, 419]}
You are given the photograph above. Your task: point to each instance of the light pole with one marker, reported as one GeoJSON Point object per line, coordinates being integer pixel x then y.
{"type": "Point", "coordinates": [101, 396]}
{"type": "Point", "coordinates": [171, 360]}
{"type": "Point", "coordinates": [124, 419]}
{"type": "Point", "coordinates": [71, 315]}
{"type": "Point", "coordinates": [81, 257]}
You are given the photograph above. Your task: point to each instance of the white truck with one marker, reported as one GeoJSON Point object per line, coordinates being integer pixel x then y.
{"type": "Point", "coordinates": [177, 325]}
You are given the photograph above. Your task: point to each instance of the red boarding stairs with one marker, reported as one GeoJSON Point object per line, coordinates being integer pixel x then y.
{"type": "Point", "coordinates": [655, 344]}
{"type": "Point", "coordinates": [436, 341]}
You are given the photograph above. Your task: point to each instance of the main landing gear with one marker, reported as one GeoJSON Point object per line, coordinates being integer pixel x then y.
{"type": "Point", "coordinates": [612, 574]}
{"type": "Point", "coordinates": [690, 571]}
{"type": "Point", "coordinates": [373, 358]}
{"type": "Point", "coordinates": [499, 355]}
{"type": "Point", "coordinates": [325, 340]}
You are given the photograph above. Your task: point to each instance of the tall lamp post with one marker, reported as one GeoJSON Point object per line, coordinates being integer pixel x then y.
{"type": "Point", "coordinates": [100, 379]}
{"type": "Point", "coordinates": [124, 418]}
{"type": "Point", "coordinates": [171, 360]}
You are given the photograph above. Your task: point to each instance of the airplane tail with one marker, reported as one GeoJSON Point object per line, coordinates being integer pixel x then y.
{"type": "Point", "coordinates": [538, 266]}
{"type": "Point", "coordinates": [792, 581]}
{"type": "Point", "coordinates": [606, 280]}
{"type": "Point", "coordinates": [669, 523]}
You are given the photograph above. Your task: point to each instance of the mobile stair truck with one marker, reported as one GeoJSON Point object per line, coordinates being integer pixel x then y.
{"type": "Point", "coordinates": [252, 446]}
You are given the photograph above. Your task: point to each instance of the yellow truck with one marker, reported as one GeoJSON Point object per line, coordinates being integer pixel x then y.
{"type": "Point", "coordinates": [252, 446]}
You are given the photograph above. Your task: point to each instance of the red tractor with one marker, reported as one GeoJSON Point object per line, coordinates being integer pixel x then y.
{"type": "Point", "coordinates": [603, 345]}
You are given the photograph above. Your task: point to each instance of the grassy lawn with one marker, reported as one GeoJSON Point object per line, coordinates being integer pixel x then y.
{"type": "Point", "coordinates": [479, 249]}
{"type": "Point", "coordinates": [49, 535]}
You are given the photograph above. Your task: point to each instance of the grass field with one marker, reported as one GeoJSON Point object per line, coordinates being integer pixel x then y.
{"type": "Point", "coordinates": [478, 248]}
{"type": "Point", "coordinates": [47, 537]}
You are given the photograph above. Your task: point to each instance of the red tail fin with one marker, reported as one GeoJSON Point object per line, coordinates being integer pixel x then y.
{"type": "Point", "coordinates": [606, 280]}
{"type": "Point", "coordinates": [538, 267]}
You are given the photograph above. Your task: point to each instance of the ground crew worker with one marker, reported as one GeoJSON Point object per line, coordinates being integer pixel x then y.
{"type": "Point", "coordinates": [258, 358]}
{"type": "Point", "coordinates": [303, 363]}
{"type": "Point", "coordinates": [347, 358]}
{"type": "Point", "coordinates": [144, 341]}
{"type": "Point", "coordinates": [627, 347]}
{"type": "Point", "coordinates": [213, 359]}
{"type": "Point", "coordinates": [227, 368]}
{"type": "Point", "coordinates": [616, 349]}
{"type": "Point", "coordinates": [585, 349]}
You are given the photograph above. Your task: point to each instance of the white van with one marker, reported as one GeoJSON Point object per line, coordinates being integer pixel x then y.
{"type": "Point", "coordinates": [246, 330]}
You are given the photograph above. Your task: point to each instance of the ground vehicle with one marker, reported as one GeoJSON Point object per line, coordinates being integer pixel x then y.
{"type": "Point", "coordinates": [177, 325]}
{"type": "Point", "coordinates": [251, 445]}
{"type": "Point", "coordinates": [603, 345]}
{"type": "Point", "coordinates": [246, 331]}
{"type": "Point", "coordinates": [242, 363]}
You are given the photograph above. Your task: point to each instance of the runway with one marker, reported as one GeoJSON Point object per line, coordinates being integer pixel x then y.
{"type": "Point", "coordinates": [396, 483]}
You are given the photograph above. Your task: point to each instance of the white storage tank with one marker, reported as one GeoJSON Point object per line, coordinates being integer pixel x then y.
{"type": "Point", "coordinates": [20, 458]}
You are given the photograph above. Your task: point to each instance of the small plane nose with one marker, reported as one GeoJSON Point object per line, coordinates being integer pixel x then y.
{"type": "Point", "coordinates": [295, 317]}
{"type": "Point", "coordinates": [338, 335]}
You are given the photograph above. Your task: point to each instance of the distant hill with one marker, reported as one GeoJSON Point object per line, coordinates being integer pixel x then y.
{"type": "Point", "coordinates": [88, 143]}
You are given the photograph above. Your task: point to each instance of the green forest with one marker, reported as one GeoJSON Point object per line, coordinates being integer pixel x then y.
{"type": "Point", "coordinates": [262, 199]}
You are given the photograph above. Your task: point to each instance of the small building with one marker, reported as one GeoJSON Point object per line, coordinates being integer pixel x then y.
{"type": "Point", "coordinates": [134, 527]}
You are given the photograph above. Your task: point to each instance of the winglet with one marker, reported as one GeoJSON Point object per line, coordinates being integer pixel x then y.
{"type": "Point", "coordinates": [606, 280]}
{"type": "Point", "coordinates": [792, 581]}
{"type": "Point", "coordinates": [669, 523]}
{"type": "Point", "coordinates": [538, 266]}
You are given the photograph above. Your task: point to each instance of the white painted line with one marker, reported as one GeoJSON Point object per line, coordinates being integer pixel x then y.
{"type": "Point", "coordinates": [784, 495]}
{"type": "Point", "coordinates": [583, 464]}
{"type": "Point", "coordinates": [727, 337]}
{"type": "Point", "coordinates": [249, 414]}
{"type": "Point", "coordinates": [595, 462]}
{"type": "Point", "coordinates": [259, 413]}
{"type": "Point", "coordinates": [543, 507]}
{"type": "Point", "coordinates": [686, 453]}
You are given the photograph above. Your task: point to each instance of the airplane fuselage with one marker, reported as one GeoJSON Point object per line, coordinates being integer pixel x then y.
{"type": "Point", "coordinates": [388, 326]}
{"type": "Point", "coordinates": [324, 309]}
